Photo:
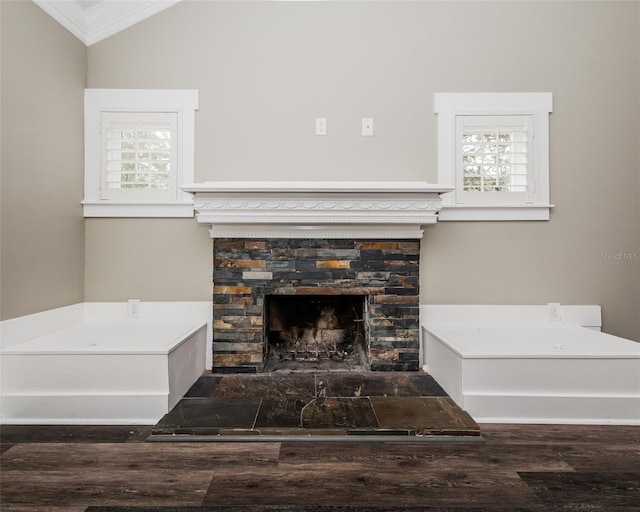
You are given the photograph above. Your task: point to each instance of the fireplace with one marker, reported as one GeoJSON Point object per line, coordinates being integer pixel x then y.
{"type": "Point", "coordinates": [316, 332]}
{"type": "Point", "coordinates": [316, 273]}
{"type": "Point", "coordinates": [288, 298]}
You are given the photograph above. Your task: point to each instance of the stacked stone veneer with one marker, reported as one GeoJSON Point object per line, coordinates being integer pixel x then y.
{"type": "Point", "coordinates": [246, 270]}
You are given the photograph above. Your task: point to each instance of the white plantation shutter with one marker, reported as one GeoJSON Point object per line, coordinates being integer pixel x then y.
{"type": "Point", "coordinates": [494, 159]}
{"type": "Point", "coordinates": [139, 155]}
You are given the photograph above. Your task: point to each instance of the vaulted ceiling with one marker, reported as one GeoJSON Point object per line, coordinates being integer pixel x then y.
{"type": "Point", "coordinates": [94, 20]}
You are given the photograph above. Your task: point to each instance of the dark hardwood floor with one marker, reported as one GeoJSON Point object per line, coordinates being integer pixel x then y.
{"type": "Point", "coordinates": [518, 468]}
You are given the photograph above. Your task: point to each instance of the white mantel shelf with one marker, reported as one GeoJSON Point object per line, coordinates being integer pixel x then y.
{"type": "Point", "coordinates": [272, 209]}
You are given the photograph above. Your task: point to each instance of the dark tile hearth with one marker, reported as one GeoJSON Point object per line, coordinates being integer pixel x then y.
{"type": "Point", "coordinates": [265, 386]}
{"type": "Point", "coordinates": [353, 405]}
{"type": "Point", "coordinates": [339, 413]}
{"type": "Point", "coordinates": [203, 387]}
{"type": "Point", "coordinates": [427, 385]}
{"type": "Point", "coordinates": [206, 415]}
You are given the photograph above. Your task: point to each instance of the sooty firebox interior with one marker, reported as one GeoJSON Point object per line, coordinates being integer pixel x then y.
{"type": "Point", "coordinates": [316, 332]}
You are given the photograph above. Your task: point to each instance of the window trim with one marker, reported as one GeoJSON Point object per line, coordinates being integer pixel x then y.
{"type": "Point", "coordinates": [448, 106]}
{"type": "Point", "coordinates": [183, 102]}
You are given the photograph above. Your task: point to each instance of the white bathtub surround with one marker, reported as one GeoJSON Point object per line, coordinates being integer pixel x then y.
{"type": "Point", "coordinates": [316, 209]}
{"type": "Point", "coordinates": [532, 364]}
{"type": "Point", "coordinates": [93, 363]}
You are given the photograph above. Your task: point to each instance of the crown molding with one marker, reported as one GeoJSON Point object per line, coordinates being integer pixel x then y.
{"type": "Point", "coordinates": [108, 17]}
{"type": "Point", "coordinates": [69, 14]}
{"type": "Point", "coordinates": [101, 20]}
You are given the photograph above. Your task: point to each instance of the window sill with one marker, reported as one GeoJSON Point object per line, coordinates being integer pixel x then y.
{"type": "Point", "coordinates": [125, 209]}
{"type": "Point", "coordinates": [495, 212]}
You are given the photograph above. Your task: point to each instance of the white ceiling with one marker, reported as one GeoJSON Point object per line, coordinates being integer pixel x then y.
{"type": "Point", "coordinates": [85, 4]}
{"type": "Point", "coordinates": [94, 20]}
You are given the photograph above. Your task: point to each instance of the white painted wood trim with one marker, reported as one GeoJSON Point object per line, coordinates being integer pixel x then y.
{"type": "Point", "coordinates": [311, 187]}
{"type": "Point", "coordinates": [332, 232]}
{"type": "Point", "coordinates": [544, 374]}
{"type": "Point", "coordinates": [316, 209]}
{"type": "Point", "coordinates": [69, 14]}
{"type": "Point", "coordinates": [108, 18]}
{"type": "Point", "coordinates": [102, 20]}
{"type": "Point", "coordinates": [449, 105]}
{"type": "Point", "coordinates": [17, 330]}
{"type": "Point", "coordinates": [119, 209]}
{"type": "Point", "coordinates": [504, 315]}
{"type": "Point", "coordinates": [184, 102]}
{"type": "Point", "coordinates": [451, 212]}
{"type": "Point", "coordinates": [75, 385]}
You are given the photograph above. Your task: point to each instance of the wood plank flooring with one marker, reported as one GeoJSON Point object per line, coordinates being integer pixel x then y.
{"type": "Point", "coordinates": [523, 468]}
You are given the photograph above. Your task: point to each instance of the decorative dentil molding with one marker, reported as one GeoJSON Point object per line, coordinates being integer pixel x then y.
{"type": "Point", "coordinates": [316, 209]}
{"type": "Point", "coordinates": [319, 205]}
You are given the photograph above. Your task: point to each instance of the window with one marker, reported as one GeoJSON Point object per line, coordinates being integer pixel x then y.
{"type": "Point", "coordinates": [139, 147]}
{"type": "Point", "coordinates": [494, 149]}
{"type": "Point", "coordinates": [140, 153]}
{"type": "Point", "coordinates": [493, 154]}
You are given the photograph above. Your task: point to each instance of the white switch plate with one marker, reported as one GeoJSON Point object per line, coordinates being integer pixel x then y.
{"type": "Point", "coordinates": [367, 127]}
{"type": "Point", "coordinates": [321, 125]}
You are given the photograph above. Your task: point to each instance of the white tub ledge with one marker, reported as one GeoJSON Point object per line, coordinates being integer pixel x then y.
{"type": "Point", "coordinates": [90, 363]}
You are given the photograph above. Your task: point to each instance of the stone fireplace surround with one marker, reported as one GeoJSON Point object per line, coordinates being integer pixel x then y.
{"type": "Point", "coordinates": [247, 270]}
{"type": "Point", "coordinates": [316, 238]}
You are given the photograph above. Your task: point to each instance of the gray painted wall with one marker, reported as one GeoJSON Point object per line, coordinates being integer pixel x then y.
{"type": "Point", "coordinates": [265, 70]}
{"type": "Point", "coordinates": [42, 228]}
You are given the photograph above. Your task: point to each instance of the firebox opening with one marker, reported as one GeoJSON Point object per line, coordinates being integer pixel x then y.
{"type": "Point", "coordinates": [316, 332]}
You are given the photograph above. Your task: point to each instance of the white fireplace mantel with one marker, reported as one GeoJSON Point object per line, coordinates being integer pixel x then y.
{"type": "Point", "coordinates": [286, 209]}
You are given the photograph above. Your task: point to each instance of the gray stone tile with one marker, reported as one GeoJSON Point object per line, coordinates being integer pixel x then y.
{"type": "Point", "coordinates": [427, 385]}
{"type": "Point", "coordinates": [280, 413]}
{"type": "Point", "coordinates": [300, 386]}
{"type": "Point", "coordinates": [338, 413]}
{"type": "Point", "coordinates": [194, 414]}
{"type": "Point", "coordinates": [422, 414]}
{"type": "Point", "coordinates": [204, 387]}
{"type": "Point", "coordinates": [364, 384]}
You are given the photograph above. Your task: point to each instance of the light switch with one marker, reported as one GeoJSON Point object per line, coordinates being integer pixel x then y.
{"type": "Point", "coordinates": [367, 127]}
{"type": "Point", "coordinates": [321, 125]}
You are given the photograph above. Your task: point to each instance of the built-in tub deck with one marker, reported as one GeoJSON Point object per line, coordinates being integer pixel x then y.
{"type": "Point", "coordinates": [91, 363]}
{"type": "Point", "coordinates": [533, 372]}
